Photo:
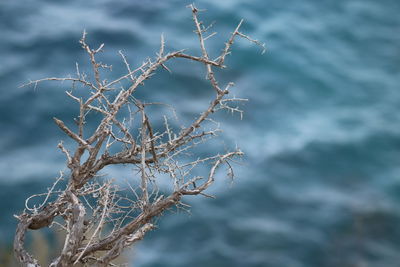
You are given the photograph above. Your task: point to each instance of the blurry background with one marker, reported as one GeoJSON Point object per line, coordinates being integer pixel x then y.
{"type": "Point", "coordinates": [320, 185]}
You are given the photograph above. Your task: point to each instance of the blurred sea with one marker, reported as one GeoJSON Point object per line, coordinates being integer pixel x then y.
{"type": "Point", "coordinates": [320, 185]}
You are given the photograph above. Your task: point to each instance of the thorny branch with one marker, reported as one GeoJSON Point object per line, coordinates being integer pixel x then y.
{"type": "Point", "coordinates": [94, 213]}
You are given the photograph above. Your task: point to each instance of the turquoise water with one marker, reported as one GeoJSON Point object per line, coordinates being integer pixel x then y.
{"type": "Point", "coordinates": [320, 185]}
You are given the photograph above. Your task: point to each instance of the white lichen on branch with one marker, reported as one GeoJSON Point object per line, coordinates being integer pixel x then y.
{"type": "Point", "coordinates": [94, 214]}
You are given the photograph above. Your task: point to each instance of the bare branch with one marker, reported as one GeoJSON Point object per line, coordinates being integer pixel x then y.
{"type": "Point", "coordinates": [70, 133]}
{"type": "Point", "coordinates": [95, 213]}
{"type": "Point", "coordinates": [100, 224]}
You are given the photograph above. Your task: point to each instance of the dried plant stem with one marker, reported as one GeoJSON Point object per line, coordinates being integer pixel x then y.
{"type": "Point", "coordinates": [92, 207]}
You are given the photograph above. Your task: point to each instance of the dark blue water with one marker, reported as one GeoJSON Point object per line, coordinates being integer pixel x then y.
{"type": "Point", "coordinates": [320, 185]}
